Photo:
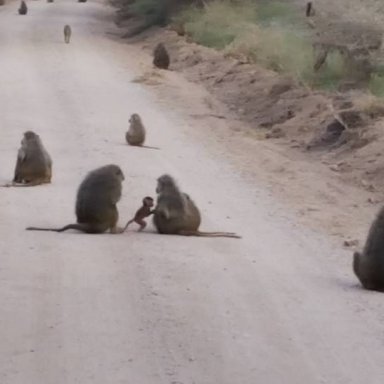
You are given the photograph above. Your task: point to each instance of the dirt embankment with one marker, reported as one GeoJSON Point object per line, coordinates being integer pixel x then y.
{"type": "Point", "coordinates": [343, 130]}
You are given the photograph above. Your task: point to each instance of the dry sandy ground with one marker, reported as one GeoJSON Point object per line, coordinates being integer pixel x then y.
{"type": "Point", "coordinates": [279, 306]}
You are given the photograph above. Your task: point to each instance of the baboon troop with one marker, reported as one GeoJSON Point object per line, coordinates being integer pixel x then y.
{"type": "Point", "coordinates": [161, 57]}
{"type": "Point", "coordinates": [368, 265]}
{"type": "Point", "coordinates": [33, 163]}
{"type": "Point", "coordinates": [23, 8]}
{"type": "Point", "coordinates": [176, 213]}
{"type": "Point", "coordinates": [96, 200]}
{"type": "Point", "coordinates": [67, 33]}
{"type": "Point", "coordinates": [144, 211]}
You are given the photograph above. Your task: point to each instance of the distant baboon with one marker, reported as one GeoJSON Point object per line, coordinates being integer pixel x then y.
{"type": "Point", "coordinates": [309, 9]}
{"type": "Point", "coordinates": [176, 214]}
{"type": "Point", "coordinates": [144, 211]}
{"type": "Point", "coordinates": [161, 57]}
{"type": "Point", "coordinates": [82, 1]}
{"type": "Point", "coordinates": [23, 8]}
{"type": "Point", "coordinates": [369, 264]}
{"type": "Point", "coordinates": [136, 133]}
{"type": "Point", "coordinates": [96, 201]}
{"type": "Point", "coordinates": [49, 1]}
{"type": "Point", "coordinates": [67, 33]}
{"type": "Point", "coordinates": [33, 164]}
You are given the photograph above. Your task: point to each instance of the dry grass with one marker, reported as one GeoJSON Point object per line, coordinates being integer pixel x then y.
{"type": "Point", "coordinates": [270, 33]}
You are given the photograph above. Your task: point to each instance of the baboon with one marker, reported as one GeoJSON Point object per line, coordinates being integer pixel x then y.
{"type": "Point", "coordinates": [176, 213]}
{"type": "Point", "coordinates": [309, 9]}
{"type": "Point", "coordinates": [161, 57]}
{"type": "Point", "coordinates": [144, 211]}
{"type": "Point", "coordinates": [136, 133]}
{"type": "Point", "coordinates": [33, 164]}
{"type": "Point", "coordinates": [23, 8]}
{"type": "Point", "coordinates": [369, 264]}
{"type": "Point", "coordinates": [67, 33]}
{"type": "Point", "coordinates": [49, 1]}
{"type": "Point", "coordinates": [96, 201]}
{"type": "Point", "coordinates": [82, 1]}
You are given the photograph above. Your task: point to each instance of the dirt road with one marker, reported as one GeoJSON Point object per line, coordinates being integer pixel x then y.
{"type": "Point", "coordinates": [279, 306]}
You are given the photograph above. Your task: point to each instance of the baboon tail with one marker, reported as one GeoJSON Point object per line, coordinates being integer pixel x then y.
{"type": "Point", "coordinates": [210, 234]}
{"type": "Point", "coordinates": [80, 227]}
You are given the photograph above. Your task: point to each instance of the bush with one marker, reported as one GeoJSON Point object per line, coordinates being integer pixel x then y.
{"type": "Point", "coordinates": [270, 33]}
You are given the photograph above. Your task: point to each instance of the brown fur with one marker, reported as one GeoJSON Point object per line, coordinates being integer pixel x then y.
{"type": "Point", "coordinates": [176, 213]}
{"type": "Point", "coordinates": [369, 264]}
{"type": "Point", "coordinates": [144, 211]}
{"type": "Point", "coordinates": [136, 133]}
{"type": "Point", "coordinates": [161, 57]}
{"type": "Point", "coordinates": [97, 196]}
{"type": "Point", "coordinates": [33, 164]}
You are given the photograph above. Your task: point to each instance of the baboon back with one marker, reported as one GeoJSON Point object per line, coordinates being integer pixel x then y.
{"type": "Point", "coordinates": [183, 215]}
{"type": "Point", "coordinates": [36, 164]}
{"type": "Point", "coordinates": [93, 203]}
{"type": "Point", "coordinates": [161, 58]}
{"type": "Point", "coordinates": [369, 265]}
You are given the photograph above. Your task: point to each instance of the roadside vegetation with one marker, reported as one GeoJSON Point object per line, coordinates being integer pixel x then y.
{"type": "Point", "coordinates": [272, 33]}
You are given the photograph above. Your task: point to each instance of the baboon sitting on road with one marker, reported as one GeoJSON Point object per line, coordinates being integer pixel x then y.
{"type": "Point", "coordinates": [97, 196]}
{"type": "Point", "coordinates": [33, 164]}
{"type": "Point", "coordinates": [176, 214]}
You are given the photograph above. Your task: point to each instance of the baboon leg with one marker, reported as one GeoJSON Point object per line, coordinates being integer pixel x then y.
{"type": "Point", "coordinates": [129, 223]}
{"type": "Point", "coordinates": [30, 183]}
{"type": "Point", "coordinates": [142, 224]}
{"type": "Point", "coordinates": [115, 230]}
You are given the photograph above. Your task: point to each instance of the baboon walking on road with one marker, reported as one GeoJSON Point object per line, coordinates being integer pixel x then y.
{"type": "Point", "coordinates": [369, 264]}
{"type": "Point", "coordinates": [97, 196]}
{"type": "Point", "coordinates": [176, 214]}
{"type": "Point", "coordinates": [33, 164]}
{"type": "Point", "coordinates": [67, 33]}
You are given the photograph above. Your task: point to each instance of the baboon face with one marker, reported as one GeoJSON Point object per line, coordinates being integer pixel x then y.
{"type": "Point", "coordinates": [164, 183]}
{"type": "Point", "coordinates": [134, 118]}
{"type": "Point", "coordinates": [30, 135]}
{"type": "Point", "coordinates": [116, 170]}
{"type": "Point", "coordinates": [148, 201]}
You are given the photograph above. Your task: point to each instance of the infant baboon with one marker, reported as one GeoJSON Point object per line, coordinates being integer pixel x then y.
{"type": "Point", "coordinates": [96, 201]}
{"type": "Point", "coordinates": [136, 133]}
{"type": "Point", "coordinates": [67, 33]}
{"type": "Point", "coordinates": [161, 57]}
{"type": "Point", "coordinates": [176, 214]}
{"type": "Point", "coordinates": [144, 211]}
{"type": "Point", "coordinates": [369, 264]}
{"type": "Point", "coordinates": [23, 8]}
{"type": "Point", "coordinates": [33, 164]}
